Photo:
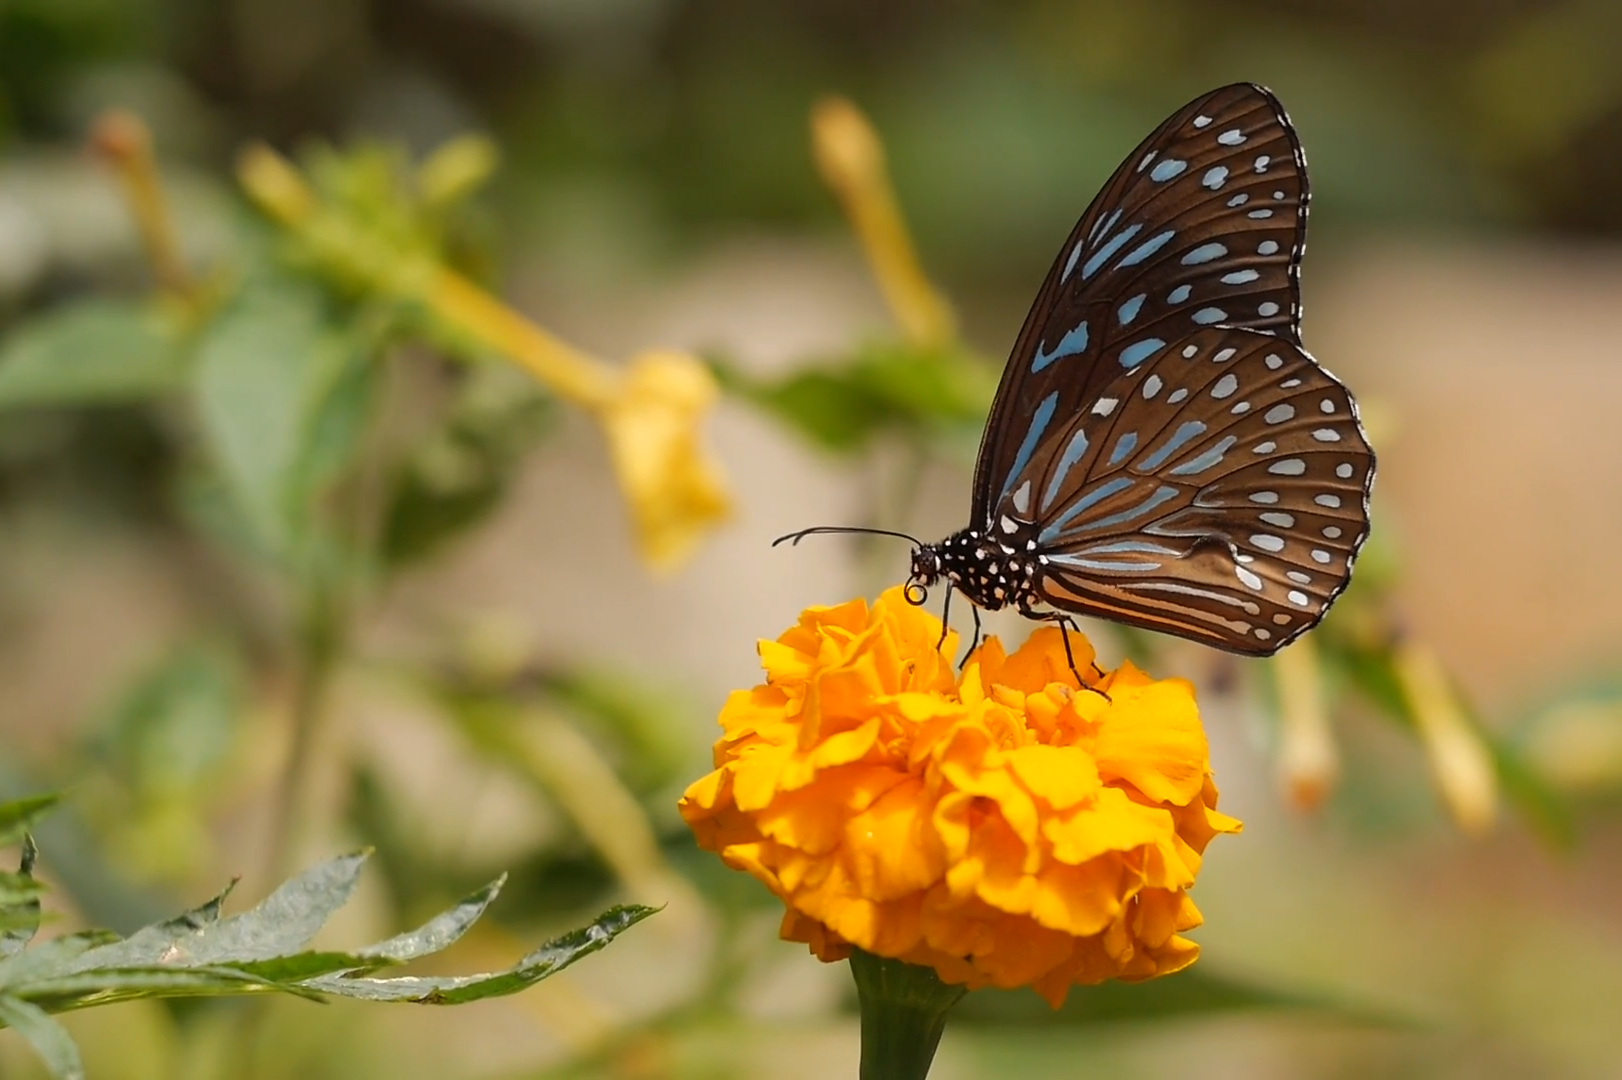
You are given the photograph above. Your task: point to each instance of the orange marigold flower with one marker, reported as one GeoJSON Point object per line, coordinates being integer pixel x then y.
{"type": "Point", "coordinates": [1005, 828]}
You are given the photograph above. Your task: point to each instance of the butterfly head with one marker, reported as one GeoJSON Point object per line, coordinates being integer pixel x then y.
{"type": "Point", "coordinates": [928, 567]}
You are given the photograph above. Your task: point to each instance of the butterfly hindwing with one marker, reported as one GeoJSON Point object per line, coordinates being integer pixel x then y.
{"type": "Point", "coordinates": [1218, 490]}
{"type": "Point", "coordinates": [1203, 224]}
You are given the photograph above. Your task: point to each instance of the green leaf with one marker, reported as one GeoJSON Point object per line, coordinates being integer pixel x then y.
{"type": "Point", "coordinates": [884, 387]}
{"type": "Point", "coordinates": [439, 932]}
{"type": "Point", "coordinates": [90, 353]}
{"type": "Point", "coordinates": [49, 1040]}
{"type": "Point", "coordinates": [280, 925]}
{"type": "Point", "coordinates": [202, 953]}
{"type": "Point", "coordinates": [456, 477]}
{"type": "Point", "coordinates": [174, 726]}
{"type": "Point", "coordinates": [19, 815]}
{"type": "Point", "coordinates": [1190, 993]}
{"type": "Point", "coordinates": [550, 958]}
{"type": "Point", "coordinates": [19, 902]}
{"type": "Point", "coordinates": [283, 392]}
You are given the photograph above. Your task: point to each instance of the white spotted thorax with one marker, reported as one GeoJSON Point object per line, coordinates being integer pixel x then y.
{"type": "Point", "coordinates": [1162, 451]}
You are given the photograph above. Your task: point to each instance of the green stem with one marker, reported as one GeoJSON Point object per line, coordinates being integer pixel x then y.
{"type": "Point", "coordinates": [318, 649]}
{"type": "Point", "coordinates": [904, 1009]}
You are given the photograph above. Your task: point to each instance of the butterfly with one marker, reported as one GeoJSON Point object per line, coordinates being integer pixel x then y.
{"type": "Point", "coordinates": [1161, 451]}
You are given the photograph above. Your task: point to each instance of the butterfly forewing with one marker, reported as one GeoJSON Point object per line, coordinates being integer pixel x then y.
{"type": "Point", "coordinates": [1204, 224]}
{"type": "Point", "coordinates": [1217, 490]}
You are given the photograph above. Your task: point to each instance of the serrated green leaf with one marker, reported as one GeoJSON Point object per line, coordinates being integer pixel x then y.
{"type": "Point", "coordinates": [94, 352]}
{"type": "Point", "coordinates": [55, 956]}
{"type": "Point", "coordinates": [19, 815]}
{"type": "Point", "coordinates": [19, 901]}
{"type": "Point", "coordinates": [67, 992]}
{"type": "Point", "coordinates": [48, 1038]}
{"type": "Point", "coordinates": [550, 958]}
{"type": "Point", "coordinates": [282, 390]}
{"type": "Point", "coordinates": [439, 932]}
{"type": "Point", "coordinates": [280, 925]}
{"type": "Point", "coordinates": [1190, 993]}
{"type": "Point", "coordinates": [304, 966]}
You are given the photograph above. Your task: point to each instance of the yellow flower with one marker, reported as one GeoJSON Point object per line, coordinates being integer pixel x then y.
{"type": "Point", "coordinates": [851, 159]}
{"type": "Point", "coordinates": [1005, 828]}
{"type": "Point", "coordinates": [676, 489]}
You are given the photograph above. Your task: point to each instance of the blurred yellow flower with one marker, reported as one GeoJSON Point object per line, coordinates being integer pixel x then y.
{"type": "Point", "coordinates": [1004, 828]}
{"type": "Point", "coordinates": [850, 157]}
{"type": "Point", "coordinates": [676, 490]}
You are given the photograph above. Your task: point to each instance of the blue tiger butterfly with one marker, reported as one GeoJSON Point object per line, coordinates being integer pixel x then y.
{"type": "Point", "coordinates": [1162, 452]}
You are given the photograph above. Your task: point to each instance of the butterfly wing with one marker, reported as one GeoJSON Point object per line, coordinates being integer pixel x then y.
{"type": "Point", "coordinates": [1203, 224]}
{"type": "Point", "coordinates": [1217, 491]}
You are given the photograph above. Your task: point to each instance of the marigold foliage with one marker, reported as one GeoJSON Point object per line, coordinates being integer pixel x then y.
{"type": "Point", "coordinates": [1005, 828]}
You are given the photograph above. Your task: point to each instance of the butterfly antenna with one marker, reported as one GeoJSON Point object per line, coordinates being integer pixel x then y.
{"type": "Point", "coordinates": [818, 530]}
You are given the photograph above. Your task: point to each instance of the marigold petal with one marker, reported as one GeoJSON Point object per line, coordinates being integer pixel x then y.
{"type": "Point", "coordinates": [1112, 823]}
{"type": "Point", "coordinates": [813, 818]}
{"type": "Point", "coordinates": [1079, 900]}
{"type": "Point", "coordinates": [1059, 776]}
{"type": "Point", "coordinates": [892, 848]}
{"type": "Point", "coordinates": [1151, 739]}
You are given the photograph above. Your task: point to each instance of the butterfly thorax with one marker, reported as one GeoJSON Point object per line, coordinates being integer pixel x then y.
{"type": "Point", "coordinates": [993, 573]}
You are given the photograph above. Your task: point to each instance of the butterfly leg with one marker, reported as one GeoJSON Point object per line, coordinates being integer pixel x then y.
{"type": "Point", "coordinates": [946, 618]}
{"type": "Point", "coordinates": [1065, 626]}
{"type": "Point", "coordinates": [975, 644]}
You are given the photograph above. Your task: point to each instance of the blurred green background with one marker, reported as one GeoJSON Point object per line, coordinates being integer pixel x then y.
{"type": "Point", "coordinates": [443, 555]}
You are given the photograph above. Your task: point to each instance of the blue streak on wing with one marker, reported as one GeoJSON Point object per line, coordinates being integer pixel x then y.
{"type": "Point", "coordinates": [1139, 351]}
{"type": "Point", "coordinates": [1107, 252]}
{"type": "Point", "coordinates": [1138, 547]}
{"type": "Point", "coordinates": [1214, 176]}
{"type": "Point", "coordinates": [1039, 423]}
{"type": "Point", "coordinates": [1179, 294]}
{"type": "Point", "coordinates": [1211, 457]}
{"type": "Point", "coordinates": [1103, 225]}
{"type": "Point", "coordinates": [1161, 496]}
{"type": "Point", "coordinates": [1129, 310]}
{"type": "Point", "coordinates": [1147, 248]}
{"type": "Point", "coordinates": [1073, 342]}
{"type": "Point", "coordinates": [1072, 453]}
{"type": "Point", "coordinates": [1208, 315]}
{"type": "Point", "coordinates": [1098, 494]}
{"type": "Point", "coordinates": [1123, 447]}
{"type": "Point", "coordinates": [1204, 254]}
{"type": "Point", "coordinates": [1070, 263]}
{"type": "Point", "coordinates": [1189, 429]}
{"type": "Point", "coordinates": [1099, 564]}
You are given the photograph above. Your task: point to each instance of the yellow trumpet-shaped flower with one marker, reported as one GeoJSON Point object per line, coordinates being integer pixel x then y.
{"type": "Point", "coordinates": [1461, 764]}
{"type": "Point", "coordinates": [676, 489]}
{"type": "Point", "coordinates": [1006, 828]}
{"type": "Point", "coordinates": [851, 160]}
{"type": "Point", "coordinates": [1308, 763]}
{"type": "Point", "coordinates": [652, 411]}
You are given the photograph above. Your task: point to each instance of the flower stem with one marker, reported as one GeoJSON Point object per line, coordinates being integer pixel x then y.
{"type": "Point", "coordinates": [904, 1010]}
{"type": "Point", "coordinates": [319, 646]}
